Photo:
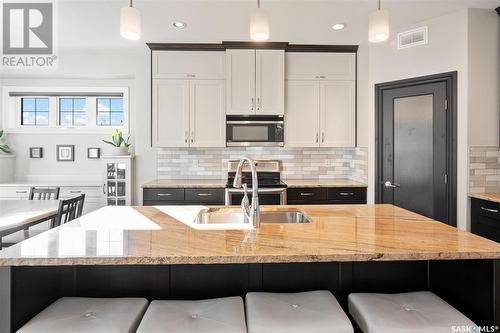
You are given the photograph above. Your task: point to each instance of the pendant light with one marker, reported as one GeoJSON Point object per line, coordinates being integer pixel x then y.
{"type": "Point", "coordinates": [378, 25]}
{"type": "Point", "coordinates": [130, 23]}
{"type": "Point", "coordinates": [259, 24]}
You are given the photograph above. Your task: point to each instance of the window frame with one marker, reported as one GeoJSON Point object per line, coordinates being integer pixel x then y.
{"type": "Point", "coordinates": [12, 117]}
{"type": "Point", "coordinates": [58, 111]}
{"type": "Point", "coordinates": [21, 112]}
{"type": "Point", "coordinates": [110, 111]}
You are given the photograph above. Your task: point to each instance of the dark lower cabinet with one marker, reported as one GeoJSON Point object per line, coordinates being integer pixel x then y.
{"type": "Point", "coordinates": [326, 195]}
{"type": "Point", "coordinates": [181, 196]}
{"type": "Point", "coordinates": [485, 219]}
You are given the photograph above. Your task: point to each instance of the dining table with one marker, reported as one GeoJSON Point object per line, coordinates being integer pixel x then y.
{"type": "Point", "coordinates": [16, 215]}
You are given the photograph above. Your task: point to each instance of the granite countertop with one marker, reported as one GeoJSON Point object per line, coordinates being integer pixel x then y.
{"type": "Point", "coordinates": [323, 183]}
{"type": "Point", "coordinates": [218, 183]}
{"type": "Point", "coordinates": [490, 196]}
{"type": "Point", "coordinates": [148, 235]}
{"type": "Point", "coordinates": [186, 183]}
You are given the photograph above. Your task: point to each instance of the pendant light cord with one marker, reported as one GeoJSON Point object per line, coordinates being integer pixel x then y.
{"type": "Point", "coordinates": [258, 3]}
{"type": "Point", "coordinates": [131, 3]}
{"type": "Point", "coordinates": [378, 4]}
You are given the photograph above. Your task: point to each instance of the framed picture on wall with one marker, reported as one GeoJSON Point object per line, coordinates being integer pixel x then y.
{"type": "Point", "coordinates": [93, 153]}
{"type": "Point", "coordinates": [36, 152]}
{"type": "Point", "coordinates": [65, 153]}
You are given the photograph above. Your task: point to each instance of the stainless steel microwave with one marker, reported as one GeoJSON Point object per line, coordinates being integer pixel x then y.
{"type": "Point", "coordinates": [254, 131]}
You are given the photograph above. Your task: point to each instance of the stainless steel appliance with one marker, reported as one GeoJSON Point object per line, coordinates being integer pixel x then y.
{"type": "Point", "coordinates": [272, 191]}
{"type": "Point", "coordinates": [256, 131]}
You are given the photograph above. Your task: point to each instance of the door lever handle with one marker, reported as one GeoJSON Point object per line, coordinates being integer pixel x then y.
{"type": "Point", "coordinates": [389, 184]}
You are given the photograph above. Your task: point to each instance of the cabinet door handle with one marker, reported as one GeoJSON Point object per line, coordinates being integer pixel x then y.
{"type": "Point", "coordinates": [75, 191]}
{"type": "Point", "coordinates": [322, 137]}
{"type": "Point", "coordinates": [489, 210]}
{"type": "Point", "coordinates": [21, 192]}
{"type": "Point", "coordinates": [346, 193]}
{"type": "Point", "coordinates": [186, 136]}
{"type": "Point", "coordinates": [306, 194]}
{"type": "Point", "coordinates": [204, 194]}
{"type": "Point", "coordinates": [192, 136]}
{"type": "Point", "coordinates": [317, 137]}
{"type": "Point", "coordinates": [103, 188]}
{"type": "Point", "coordinates": [252, 101]}
{"type": "Point", "coordinates": [191, 75]}
{"type": "Point", "coordinates": [258, 103]}
{"type": "Point", "coordinates": [164, 194]}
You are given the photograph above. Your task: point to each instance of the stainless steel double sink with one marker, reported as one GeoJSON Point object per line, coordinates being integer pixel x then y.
{"type": "Point", "coordinates": [228, 215]}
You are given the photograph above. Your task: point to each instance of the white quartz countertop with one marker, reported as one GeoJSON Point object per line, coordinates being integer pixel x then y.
{"type": "Point", "coordinates": [52, 183]}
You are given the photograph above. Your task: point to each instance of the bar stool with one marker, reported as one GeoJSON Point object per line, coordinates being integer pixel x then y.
{"type": "Point", "coordinates": [219, 315]}
{"type": "Point", "coordinates": [407, 312]}
{"type": "Point", "coordinates": [314, 311]}
{"type": "Point", "coordinates": [89, 315]}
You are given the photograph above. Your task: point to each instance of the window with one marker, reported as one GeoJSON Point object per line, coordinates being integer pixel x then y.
{"type": "Point", "coordinates": [34, 111]}
{"type": "Point", "coordinates": [64, 109]}
{"type": "Point", "coordinates": [72, 111]}
{"type": "Point", "coordinates": [109, 111]}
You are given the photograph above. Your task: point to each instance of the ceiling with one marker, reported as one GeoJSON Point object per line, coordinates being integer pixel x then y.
{"type": "Point", "coordinates": [94, 24]}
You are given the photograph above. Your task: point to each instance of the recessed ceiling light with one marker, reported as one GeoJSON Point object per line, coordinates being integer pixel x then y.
{"type": "Point", "coordinates": [338, 26]}
{"type": "Point", "coordinates": [179, 24]}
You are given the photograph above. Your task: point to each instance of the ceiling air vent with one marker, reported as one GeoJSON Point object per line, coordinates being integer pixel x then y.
{"type": "Point", "coordinates": [412, 38]}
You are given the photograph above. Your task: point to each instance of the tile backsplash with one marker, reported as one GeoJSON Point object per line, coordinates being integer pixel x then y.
{"type": "Point", "coordinates": [303, 163]}
{"type": "Point", "coordinates": [484, 169]}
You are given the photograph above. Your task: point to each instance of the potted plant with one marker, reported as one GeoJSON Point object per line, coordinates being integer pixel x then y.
{"type": "Point", "coordinates": [119, 144]}
{"type": "Point", "coordinates": [7, 161]}
{"type": "Point", "coordinates": [4, 148]}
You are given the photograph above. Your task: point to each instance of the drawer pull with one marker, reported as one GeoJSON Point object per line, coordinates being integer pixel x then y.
{"type": "Point", "coordinates": [164, 194]}
{"type": "Point", "coordinates": [306, 194]}
{"type": "Point", "coordinates": [346, 193]}
{"type": "Point", "coordinates": [21, 192]}
{"type": "Point", "coordinates": [75, 191]}
{"type": "Point", "coordinates": [490, 210]}
{"type": "Point", "coordinates": [204, 194]}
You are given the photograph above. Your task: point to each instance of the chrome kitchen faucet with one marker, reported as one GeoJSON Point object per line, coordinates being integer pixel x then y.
{"type": "Point", "coordinates": [251, 212]}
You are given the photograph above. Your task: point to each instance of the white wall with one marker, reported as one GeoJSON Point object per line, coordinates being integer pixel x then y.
{"type": "Point", "coordinates": [467, 42]}
{"type": "Point", "coordinates": [86, 69]}
{"type": "Point", "coordinates": [483, 62]}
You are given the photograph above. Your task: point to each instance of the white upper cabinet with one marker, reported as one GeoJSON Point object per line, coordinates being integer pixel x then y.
{"type": "Point", "coordinates": [337, 114]}
{"type": "Point", "coordinates": [189, 64]}
{"type": "Point", "coordinates": [170, 119]}
{"type": "Point", "coordinates": [270, 82]}
{"type": "Point", "coordinates": [189, 113]}
{"type": "Point", "coordinates": [302, 114]}
{"type": "Point", "coordinates": [240, 82]}
{"type": "Point", "coordinates": [207, 113]}
{"type": "Point", "coordinates": [320, 66]}
{"type": "Point", "coordinates": [255, 82]}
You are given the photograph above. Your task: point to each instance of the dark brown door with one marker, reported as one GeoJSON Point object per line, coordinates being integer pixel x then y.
{"type": "Point", "coordinates": [413, 149]}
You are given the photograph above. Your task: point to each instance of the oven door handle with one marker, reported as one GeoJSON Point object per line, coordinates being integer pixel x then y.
{"type": "Point", "coordinates": [260, 190]}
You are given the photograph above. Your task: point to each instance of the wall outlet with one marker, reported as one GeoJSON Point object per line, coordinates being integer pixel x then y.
{"type": "Point", "coordinates": [329, 163]}
{"type": "Point", "coordinates": [196, 163]}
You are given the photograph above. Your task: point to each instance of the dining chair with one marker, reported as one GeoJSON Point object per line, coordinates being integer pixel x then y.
{"type": "Point", "coordinates": [35, 193]}
{"type": "Point", "coordinates": [69, 210]}
{"type": "Point", "coordinates": [44, 193]}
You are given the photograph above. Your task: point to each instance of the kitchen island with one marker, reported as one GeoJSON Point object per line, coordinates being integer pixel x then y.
{"type": "Point", "coordinates": [145, 251]}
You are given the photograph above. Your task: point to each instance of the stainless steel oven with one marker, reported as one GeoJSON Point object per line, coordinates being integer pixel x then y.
{"type": "Point", "coordinates": [267, 196]}
{"type": "Point", "coordinates": [256, 131]}
{"type": "Point", "coordinates": [272, 191]}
